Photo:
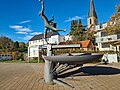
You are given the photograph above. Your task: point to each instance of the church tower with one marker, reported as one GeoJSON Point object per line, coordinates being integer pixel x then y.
{"type": "Point", "coordinates": [92, 16]}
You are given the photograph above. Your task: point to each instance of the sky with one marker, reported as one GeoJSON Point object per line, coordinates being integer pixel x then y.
{"type": "Point", "coordinates": [19, 19]}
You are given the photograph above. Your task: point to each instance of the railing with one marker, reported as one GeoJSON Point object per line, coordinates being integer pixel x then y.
{"type": "Point", "coordinates": [100, 27]}
{"type": "Point", "coordinates": [107, 38]}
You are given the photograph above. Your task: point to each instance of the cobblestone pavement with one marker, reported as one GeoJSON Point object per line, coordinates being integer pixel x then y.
{"type": "Point", "coordinates": [26, 76]}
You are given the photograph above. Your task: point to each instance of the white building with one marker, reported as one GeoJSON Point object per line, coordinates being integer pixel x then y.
{"type": "Point", "coordinates": [36, 42]}
{"type": "Point", "coordinates": [105, 41]}
{"type": "Point", "coordinates": [52, 38]}
{"type": "Point", "coordinates": [5, 57]}
{"type": "Point", "coordinates": [68, 37]}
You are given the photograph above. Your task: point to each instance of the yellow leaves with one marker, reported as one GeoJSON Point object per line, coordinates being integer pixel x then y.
{"type": "Point", "coordinates": [115, 17]}
{"type": "Point", "coordinates": [118, 8]}
{"type": "Point", "coordinates": [113, 29]}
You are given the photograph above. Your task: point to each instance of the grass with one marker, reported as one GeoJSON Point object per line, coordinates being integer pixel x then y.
{"type": "Point", "coordinates": [12, 61]}
{"type": "Point", "coordinates": [36, 61]}
{"type": "Point", "coordinates": [19, 61]}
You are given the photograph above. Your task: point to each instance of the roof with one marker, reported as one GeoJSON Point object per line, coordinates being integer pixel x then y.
{"type": "Point", "coordinates": [36, 37]}
{"type": "Point", "coordinates": [40, 36]}
{"type": "Point", "coordinates": [52, 34]}
{"type": "Point", "coordinates": [84, 44]}
{"type": "Point", "coordinates": [63, 43]}
{"type": "Point", "coordinates": [92, 12]}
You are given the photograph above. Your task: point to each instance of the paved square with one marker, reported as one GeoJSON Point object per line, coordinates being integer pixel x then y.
{"type": "Point", "coordinates": [26, 76]}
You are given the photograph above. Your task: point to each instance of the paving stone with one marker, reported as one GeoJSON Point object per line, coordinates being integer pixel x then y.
{"type": "Point", "coordinates": [26, 76]}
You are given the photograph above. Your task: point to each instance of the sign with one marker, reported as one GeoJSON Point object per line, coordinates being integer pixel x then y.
{"type": "Point", "coordinates": [33, 51]}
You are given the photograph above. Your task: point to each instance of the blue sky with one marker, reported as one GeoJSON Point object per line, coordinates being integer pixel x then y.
{"type": "Point", "coordinates": [19, 19]}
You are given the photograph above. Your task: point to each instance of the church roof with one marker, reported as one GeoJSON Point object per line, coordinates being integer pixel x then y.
{"type": "Point", "coordinates": [92, 12]}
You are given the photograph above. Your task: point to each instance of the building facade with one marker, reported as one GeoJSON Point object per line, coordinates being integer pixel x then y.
{"type": "Point", "coordinates": [104, 41]}
{"type": "Point", "coordinates": [52, 38]}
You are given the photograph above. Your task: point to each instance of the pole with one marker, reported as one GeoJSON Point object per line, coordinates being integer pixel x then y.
{"type": "Point", "coordinates": [38, 55]}
{"type": "Point", "coordinates": [48, 74]}
{"type": "Point", "coordinates": [28, 54]}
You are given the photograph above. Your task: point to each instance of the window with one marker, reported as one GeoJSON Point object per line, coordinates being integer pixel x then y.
{"type": "Point", "coordinates": [101, 26]}
{"type": "Point", "coordinates": [54, 40]}
{"type": "Point", "coordinates": [109, 38]}
{"type": "Point", "coordinates": [105, 45]}
{"type": "Point", "coordinates": [35, 41]}
{"type": "Point", "coordinates": [90, 21]}
{"type": "Point", "coordinates": [102, 39]}
{"type": "Point", "coordinates": [103, 34]}
{"type": "Point", "coordinates": [118, 36]}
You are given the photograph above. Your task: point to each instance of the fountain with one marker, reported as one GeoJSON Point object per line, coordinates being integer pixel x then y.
{"type": "Point", "coordinates": [53, 63]}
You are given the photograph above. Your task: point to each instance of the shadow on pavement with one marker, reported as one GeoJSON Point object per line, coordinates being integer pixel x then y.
{"type": "Point", "coordinates": [90, 71]}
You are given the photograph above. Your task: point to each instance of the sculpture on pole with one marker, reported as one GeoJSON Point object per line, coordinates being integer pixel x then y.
{"type": "Point", "coordinates": [60, 63]}
{"type": "Point", "coordinates": [47, 22]}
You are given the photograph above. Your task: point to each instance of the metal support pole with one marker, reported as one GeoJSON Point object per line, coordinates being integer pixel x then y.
{"type": "Point", "coordinates": [48, 75]}
{"type": "Point", "coordinates": [38, 55]}
{"type": "Point", "coordinates": [28, 54]}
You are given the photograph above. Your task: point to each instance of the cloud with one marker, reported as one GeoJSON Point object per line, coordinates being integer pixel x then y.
{"type": "Point", "coordinates": [26, 21]}
{"type": "Point", "coordinates": [27, 37]}
{"type": "Point", "coordinates": [20, 28]}
{"type": "Point", "coordinates": [73, 18]}
{"type": "Point", "coordinates": [16, 27]}
{"type": "Point", "coordinates": [24, 29]}
{"type": "Point", "coordinates": [21, 33]}
{"type": "Point", "coordinates": [35, 33]}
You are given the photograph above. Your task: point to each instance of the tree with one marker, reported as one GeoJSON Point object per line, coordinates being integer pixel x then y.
{"type": "Point", "coordinates": [69, 42]}
{"type": "Point", "coordinates": [22, 45]}
{"type": "Point", "coordinates": [6, 44]}
{"type": "Point", "coordinates": [87, 35]}
{"type": "Point", "coordinates": [0, 45]}
{"type": "Point", "coordinates": [114, 28]}
{"type": "Point", "coordinates": [16, 44]}
{"type": "Point", "coordinates": [77, 30]}
{"type": "Point", "coordinates": [118, 8]}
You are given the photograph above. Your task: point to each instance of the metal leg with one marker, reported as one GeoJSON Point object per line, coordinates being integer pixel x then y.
{"type": "Point", "coordinates": [48, 75]}
{"type": "Point", "coordinates": [49, 66]}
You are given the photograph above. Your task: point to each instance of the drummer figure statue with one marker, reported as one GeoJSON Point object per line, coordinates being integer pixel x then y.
{"type": "Point", "coordinates": [47, 22]}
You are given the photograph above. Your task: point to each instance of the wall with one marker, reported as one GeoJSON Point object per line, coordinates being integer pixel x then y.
{"type": "Point", "coordinates": [102, 38]}
{"type": "Point", "coordinates": [55, 39]}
